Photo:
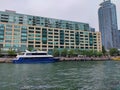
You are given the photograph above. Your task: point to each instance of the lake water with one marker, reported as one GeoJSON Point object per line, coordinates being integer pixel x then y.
{"type": "Point", "coordinates": [73, 75]}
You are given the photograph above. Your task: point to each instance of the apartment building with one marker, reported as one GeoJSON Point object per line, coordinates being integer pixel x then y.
{"type": "Point", "coordinates": [21, 31]}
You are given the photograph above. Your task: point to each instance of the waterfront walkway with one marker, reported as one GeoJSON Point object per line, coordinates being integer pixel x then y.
{"type": "Point", "coordinates": [84, 58]}
{"type": "Point", "coordinates": [6, 60]}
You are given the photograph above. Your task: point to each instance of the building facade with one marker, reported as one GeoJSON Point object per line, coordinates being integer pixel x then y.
{"type": "Point", "coordinates": [20, 31]}
{"type": "Point", "coordinates": [119, 39]}
{"type": "Point", "coordinates": [108, 24]}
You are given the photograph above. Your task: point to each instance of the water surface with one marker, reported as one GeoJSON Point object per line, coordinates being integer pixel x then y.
{"type": "Point", "coordinates": [76, 75]}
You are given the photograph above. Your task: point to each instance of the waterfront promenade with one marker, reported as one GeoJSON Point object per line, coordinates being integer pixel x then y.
{"type": "Point", "coordinates": [84, 58]}
{"type": "Point", "coordinates": [6, 60]}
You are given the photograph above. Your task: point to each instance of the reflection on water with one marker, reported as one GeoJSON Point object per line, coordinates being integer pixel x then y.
{"type": "Point", "coordinates": [93, 75]}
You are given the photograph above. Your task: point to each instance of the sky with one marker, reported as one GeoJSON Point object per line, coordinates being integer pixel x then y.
{"type": "Point", "coordinates": [74, 10]}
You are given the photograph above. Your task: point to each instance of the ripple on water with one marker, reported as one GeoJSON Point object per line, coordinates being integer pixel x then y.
{"type": "Point", "coordinates": [61, 76]}
{"type": "Point", "coordinates": [42, 87]}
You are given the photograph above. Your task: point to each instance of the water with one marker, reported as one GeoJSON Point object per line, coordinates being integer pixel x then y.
{"type": "Point", "coordinates": [93, 75]}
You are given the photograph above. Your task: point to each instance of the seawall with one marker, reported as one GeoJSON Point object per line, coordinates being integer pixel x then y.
{"type": "Point", "coordinates": [85, 58]}
{"type": "Point", "coordinates": [6, 60]}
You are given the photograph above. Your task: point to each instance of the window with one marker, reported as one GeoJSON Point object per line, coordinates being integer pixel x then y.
{"type": "Point", "coordinates": [16, 45]}
{"type": "Point", "coordinates": [16, 26]}
{"type": "Point", "coordinates": [36, 54]}
{"type": "Point", "coordinates": [8, 25]}
{"type": "Point", "coordinates": [8, 41]}
{"type": "Point", "coordinates": [24, 34]}
{"type": "Point", "coordinates": [16, 41]}
{"type": "Point", "coordinates": [38, 28]}
{"type": "Point", "coordinates": [16, 30]}
{"type": "Point", "coordinates": [7, 45]}
{"type": "Point", "coordinates": [7, 37]}
{"type": "Point", "coordinates": [8, 33]}
{"type": "Point", "coordinates": [8, 29]}
{"type": "Point", "coordinates": [31, 27]}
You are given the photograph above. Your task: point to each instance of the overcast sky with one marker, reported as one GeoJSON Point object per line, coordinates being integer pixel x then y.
{"type": "Point", "coordinates": [74, 10]}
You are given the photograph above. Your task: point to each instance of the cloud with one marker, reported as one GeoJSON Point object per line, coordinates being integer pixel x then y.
{"type": "Point", "coordinates": [75, 10]}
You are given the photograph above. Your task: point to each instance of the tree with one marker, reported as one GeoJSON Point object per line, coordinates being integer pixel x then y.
{"type": "Point", "coordinates": [0, 50]}
{"type": "Point", "coordinates": [103, 50]}
{"type": "Point", "coordinates": [0, 53]}
{"type": "Point", "coordinates": [99, 54]}
{"type": "Point", "coordinates": [56, 52]}
{"type": "Point", "coordinates": [78, 51]}
{"type": "Point", "coordinates": [89, 53]}
{"type": "Point", "coordinates": [114, 51]}
{"type": "Point", "coordinates": [71, 52]}
{"type": "Point", "coordinates": [64, 52]}
{"type": "Point", "coordinates": [83, 52]}
{"type": "Point", "coordinates": [95, 53]}
{"type": "Point", "coordinates": [30, 49]}
{"type": "Point", "coordinates": [11, 52]}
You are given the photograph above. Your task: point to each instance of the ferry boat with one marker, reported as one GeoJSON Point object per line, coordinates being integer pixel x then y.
{"type": "Point", "coordinates": [35, 57]}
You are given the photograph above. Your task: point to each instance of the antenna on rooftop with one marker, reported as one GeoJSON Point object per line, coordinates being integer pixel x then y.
{"type": "Point", "coordinates": [107, 0]}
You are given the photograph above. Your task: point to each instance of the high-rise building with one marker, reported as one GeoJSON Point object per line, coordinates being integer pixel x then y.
{"type": "Point", "coordinates": [20, 31]}
{"type": "Point", "coordinates": [108, 24]}
{"type": "Point", "coordinates": [119, 39]}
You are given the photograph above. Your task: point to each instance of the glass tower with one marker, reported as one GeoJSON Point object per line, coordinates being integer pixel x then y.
{"type": "Point", "coordinates": [108, 24]}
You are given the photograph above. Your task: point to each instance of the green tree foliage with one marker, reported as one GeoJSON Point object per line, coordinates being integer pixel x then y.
{"type": "Point", "coordinates": [64, 52]}
{"type": "Point", "coordinates": [78, 51]}
{"type": "Point", "coordinates": [56, 52]}
{"type": "Point", "coordinates": [30, 49]}
{"type": "Point", "coordinates": [83, 52]}
{"type": "Point", "coordinates": [71, 52]}
{"type": "Point", "coordinates": [90, 53]}
{"type": "Point", "coordinates": [95, 53]}
{"type": "Point", "coordinates": [0, 52]}
{"type": "Point", "coordinates": [11, 52]}
{"type": "Point", "coordinates": [87, 52]}
{"type": "Point", "coordinates": [99, 54]}
{"type": "Point", "coordinates": [114, 51]}
{"type": "Point", "coordinates": [103, 50]}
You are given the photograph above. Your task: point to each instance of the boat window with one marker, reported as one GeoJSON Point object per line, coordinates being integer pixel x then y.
{"type": "Point", "coordinates": [28, 53]}
{"type": "Point", "coordinates": [36, 53]}
{"type": "Point", "coordinates": [39, 53]}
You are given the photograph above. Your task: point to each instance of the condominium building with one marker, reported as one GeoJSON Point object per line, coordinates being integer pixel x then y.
{"type": "Point", "coordinates": [108, 24]}
{"type": "Point", "coordinates": [21, 31]}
